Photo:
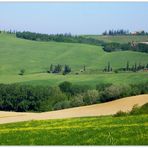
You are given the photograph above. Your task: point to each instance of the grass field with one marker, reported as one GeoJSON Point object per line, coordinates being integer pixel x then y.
{"type": "Point", "coordinates": [86, 79]}
{"type": "Point", "coordinates": [120, 39]}
{"type": "Point", "coordinates": [130, 130]}
{"type": "Point", "coordinates": [36, 57]}
{"type": "Point", "coordinates": [16, 54]}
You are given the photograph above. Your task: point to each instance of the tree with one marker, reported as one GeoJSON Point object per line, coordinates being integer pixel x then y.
{"type": "Point", "coordinates": [22, 71]}
{"type": "Point", "coordinates": [105, 69]}
{"type": "Point", "coordinates": [51, 68]}
{"type": "Point", "coordinates": [67, 69]}
{"type": "Point", "coordinates": [127, 66]}
{"type": "Point", "coordinates": [147, 66]}
{"type": "Point", "coordinates": [57, 68]}
{"type": "Point", "coordinates": [84, 68]}
{"type": "Point", "coordinates": [108, 67]}
{"type": "Point", "coordinates": [135, 67]}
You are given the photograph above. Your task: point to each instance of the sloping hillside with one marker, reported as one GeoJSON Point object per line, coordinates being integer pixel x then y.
{"type": "Point", "coordinates": [16, 54]}
{"type": "Point", "coordinates": [109, 108]}
{"type": "Point", "coordinates": [120, 38]}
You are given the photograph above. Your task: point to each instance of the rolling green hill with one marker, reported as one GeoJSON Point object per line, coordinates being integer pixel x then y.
{"type": "Point", "coordinates": [16, 54]}
{"type": "Point", "coordinates": [120, 38]}
{"type": "Point", "coordinates": [36, 58]}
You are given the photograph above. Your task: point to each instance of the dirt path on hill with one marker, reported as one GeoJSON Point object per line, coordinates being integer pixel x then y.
{"type": "Point", "coordinates": [108, 108]}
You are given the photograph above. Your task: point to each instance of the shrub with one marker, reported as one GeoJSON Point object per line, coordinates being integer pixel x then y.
{"type": "Point", "coordinates": [58, 106]}
{"type": "Point", "coordinates": [78, 89]}
{"type": "Point", "coordinates": [120, 114]}
{"type": "Point", "coordinates": [22, 71]}
{"type": "Point", "coordinates": [91, 96]}
{"type": "Point", "coordinates": [65, 87]}
{"type": "Point", "coordinates": [61, 105]}
{"type": "Point", "coordinates": [111, 93]}
{"type": "Point", "coordinates": [116, 71]}
{"type": "Point", "coordinates": [102, 86]}
{"type": "Point", "coordinates": [77, 101]}
{"type": "Point", "coordinates": [136, 110]}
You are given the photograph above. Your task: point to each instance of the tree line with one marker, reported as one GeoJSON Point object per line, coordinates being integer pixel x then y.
{"type": "Point", "coordinates": [123, 32]}
{"type": "Point", "coordinates": [108, 47]}
{"type": "Point", "coordinates": [116, 32]}
{"type": "Point", "coordinates": [134, 67]}
{"type": "Point", "coordinates": [23, 98]}
{"type": "Point", "coordinates": [68, 38]}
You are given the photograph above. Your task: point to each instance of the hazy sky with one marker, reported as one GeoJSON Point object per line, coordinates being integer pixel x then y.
{"type": "Point", "coordinates": [77, 18]}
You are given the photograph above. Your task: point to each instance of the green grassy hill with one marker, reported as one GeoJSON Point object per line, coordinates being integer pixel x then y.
{"type": "Point", "coordinates": [16, 54]}
{"type": "Point", "coordinates": [36, 57]}
{"type": "Point", "coordinates": [129, 130]}
{"type": "Point", "coordinates": [120, 39]}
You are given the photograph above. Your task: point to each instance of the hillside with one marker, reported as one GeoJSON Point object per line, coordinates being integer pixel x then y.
{"type": "Point", "coordinates": [120, 39]}
{"type": "Point", "coordinates": [37, 56]}
{"type": "Point", "coordinates": [108, 108]}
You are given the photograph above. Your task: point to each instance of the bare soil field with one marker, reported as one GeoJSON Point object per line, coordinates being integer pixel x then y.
{"type": "Point", "coordinates": [109, 108]}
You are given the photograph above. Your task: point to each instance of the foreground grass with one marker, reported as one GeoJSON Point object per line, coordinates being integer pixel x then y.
{"type": "Point", "coordinates": [129, 130]}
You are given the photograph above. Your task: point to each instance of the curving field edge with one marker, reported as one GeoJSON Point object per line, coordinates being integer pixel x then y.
{"type": "Point", "coordinates": [109, 108]}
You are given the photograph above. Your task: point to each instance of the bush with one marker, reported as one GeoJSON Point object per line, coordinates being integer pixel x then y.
{"type": "Point", "coordinates": [22, 71]}
{"type": "Point", "coordinates": [116, 71]}
{"type": "Point", "coordinates": [111, 93]}
{"type": "Point", "coordinates": [120, 114]}
{"type": "Point", "coordinates": [79, 89]}
{"type": "Point", "coordinates": [65, 87]}
{"type": "Point", "coordinates": [61, 105]}
{"type": "Point", "coordinates": [91, 97]}
{"type": "Point", "coordinates": [141, 88]}
{"type": "Point", "coordinates": [77, 101]}
{"type": "Point", "coordinates": [102, 86]}
{"type": "Point", "coordinates": [136, 110]}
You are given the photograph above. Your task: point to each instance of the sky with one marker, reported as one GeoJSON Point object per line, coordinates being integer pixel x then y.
{"type": "Point", "coordinates": [73, 17]}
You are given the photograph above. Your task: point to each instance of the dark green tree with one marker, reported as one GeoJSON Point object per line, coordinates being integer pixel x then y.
{"type": "Point", "coordinates": [84, 68]}
{"type": "Point", "coordinates": [127, 66]}
{"type": "Point", "coordinates": [22, 71]}
{"type": "Point", "coordinates": [67, 69]}
{"type": "Point", "coordinates": [108, 67]}
{"type": "Point", "coordinates": [51, 68]}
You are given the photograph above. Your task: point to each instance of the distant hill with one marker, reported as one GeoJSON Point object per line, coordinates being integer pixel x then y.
{"type": "Point", "coordinates": [120, 38]}
{"type": "Point", "coordinates": [33, 56]}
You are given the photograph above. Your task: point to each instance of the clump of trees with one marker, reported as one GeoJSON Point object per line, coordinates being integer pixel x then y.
{"type": "Point", "coordinates": [67, 70]}
{"type": "Point", "coordinates": [108, 68]}
{"type": "Point", "coordinates": [133, 68]}
{"type": "Point", "coordinates": [59, 68]}
{"type": "Point", "coordinates": [123, 32]}
{"type": "Point", "coordinates": [116, 32]}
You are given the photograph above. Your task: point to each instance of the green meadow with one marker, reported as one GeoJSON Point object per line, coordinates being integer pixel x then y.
{"type": "Point", "coordinates": [108, 130]}
{"type": "Point", "coordinates": [85, 79]}
{"type": "Point", "coordinates": [36, 57]}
